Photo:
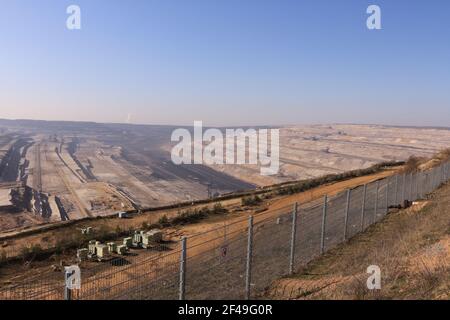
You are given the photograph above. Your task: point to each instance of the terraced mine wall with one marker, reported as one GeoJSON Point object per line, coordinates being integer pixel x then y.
{"type": "Point", "coordinates": [72, 149]}
{"type": "Point", "coordinates": [27, 199]}
{"type": "Point", "coordinates": [14, 169]}
{"type": "Point", "coordinates": [11, 166]}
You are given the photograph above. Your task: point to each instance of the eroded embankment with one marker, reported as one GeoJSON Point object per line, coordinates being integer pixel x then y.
{"type": "Point", "coordinates": [12, 167]}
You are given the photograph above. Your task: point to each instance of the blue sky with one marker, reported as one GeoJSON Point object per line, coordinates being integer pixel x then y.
{"type": "Point", "coordinates": [226, 62]}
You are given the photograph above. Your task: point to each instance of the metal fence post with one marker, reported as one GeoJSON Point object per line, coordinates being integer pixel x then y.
{"type": "Point", "coordinates": [293, 234]}
{"type": "Point", "coordinates": [324, 218]}
{"type": "Point", "coordinates": [428, 186]}
{"type": "Point", "coordinates": [347, 208]}
{"type": "Point", "coordinates": [376, 200]}
{"type": "Point", "coordinates": [436, 174]}
{"type": "Point", "coordinates": [182, 288]}
{"type": "Point", "coordinates": [431, 180]}
{"type": "Point", "coordinates": [248, 273]}
{"type": "Point", "coordinates": [404, 189]}
{"type": "Point", "coordinates": [396, 190]}
{"type": "Point", "coordinates": [440, 175]}
{"type": "Point", "coordinates": [425, 184]}
{"type": "Point", "coordinates": [67, 290]}
{"type": "Point", "coordinates": [363, 206]}
{"type": "Point", "coordinates": [418, 182]}
{"type": "Point", "coordinates": [387, 196]}
{"type": "Point", "coordinates": [422, 185]}
{"type": "Point", "coordinates": [416, 186]}
{"type": "Point", "coordinates": [72, 280]}
{"type": "Point", "coordinates": [435, 179]}
{"type": "Point", "coordinates": [410, 186]}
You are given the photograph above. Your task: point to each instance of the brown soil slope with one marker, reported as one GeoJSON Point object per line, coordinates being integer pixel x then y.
{"type": "Point", "coordinates": [411, 247]}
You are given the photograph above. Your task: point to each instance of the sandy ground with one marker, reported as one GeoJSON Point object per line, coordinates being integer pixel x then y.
{"type": "Point", "coordinates": [316, 150]}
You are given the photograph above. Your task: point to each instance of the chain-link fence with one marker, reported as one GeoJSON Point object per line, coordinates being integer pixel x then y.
{"type": "Point", "coordinates": [240, 259]}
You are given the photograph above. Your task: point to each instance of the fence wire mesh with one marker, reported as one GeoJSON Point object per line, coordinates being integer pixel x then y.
{"type": "Point", "coordinates": [240, 259]}
{"type": "Point", "coordinates": [271, 250]}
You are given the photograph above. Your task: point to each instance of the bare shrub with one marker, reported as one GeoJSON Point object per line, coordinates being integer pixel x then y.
{"type": "Point", "coordinates": [251, 201]}
{"type": "Point", "coordinates": [412, 164]}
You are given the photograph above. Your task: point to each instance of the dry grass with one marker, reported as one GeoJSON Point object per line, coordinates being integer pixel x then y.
{"type": "Point", "coordinates": [411, 247]}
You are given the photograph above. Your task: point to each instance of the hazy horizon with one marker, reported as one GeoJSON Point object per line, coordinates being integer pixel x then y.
{"type": "Point", "coordinates": [231, 125]}
{"type": "Point", "coordinates": [226, 63]}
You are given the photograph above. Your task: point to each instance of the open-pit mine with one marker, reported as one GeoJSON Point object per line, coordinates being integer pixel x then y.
{"type": "Point", "coordinates": [58, 171]}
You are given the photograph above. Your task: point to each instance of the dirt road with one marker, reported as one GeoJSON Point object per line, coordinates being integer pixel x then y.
{"type": "Point", "coordinates": [204, 238]}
